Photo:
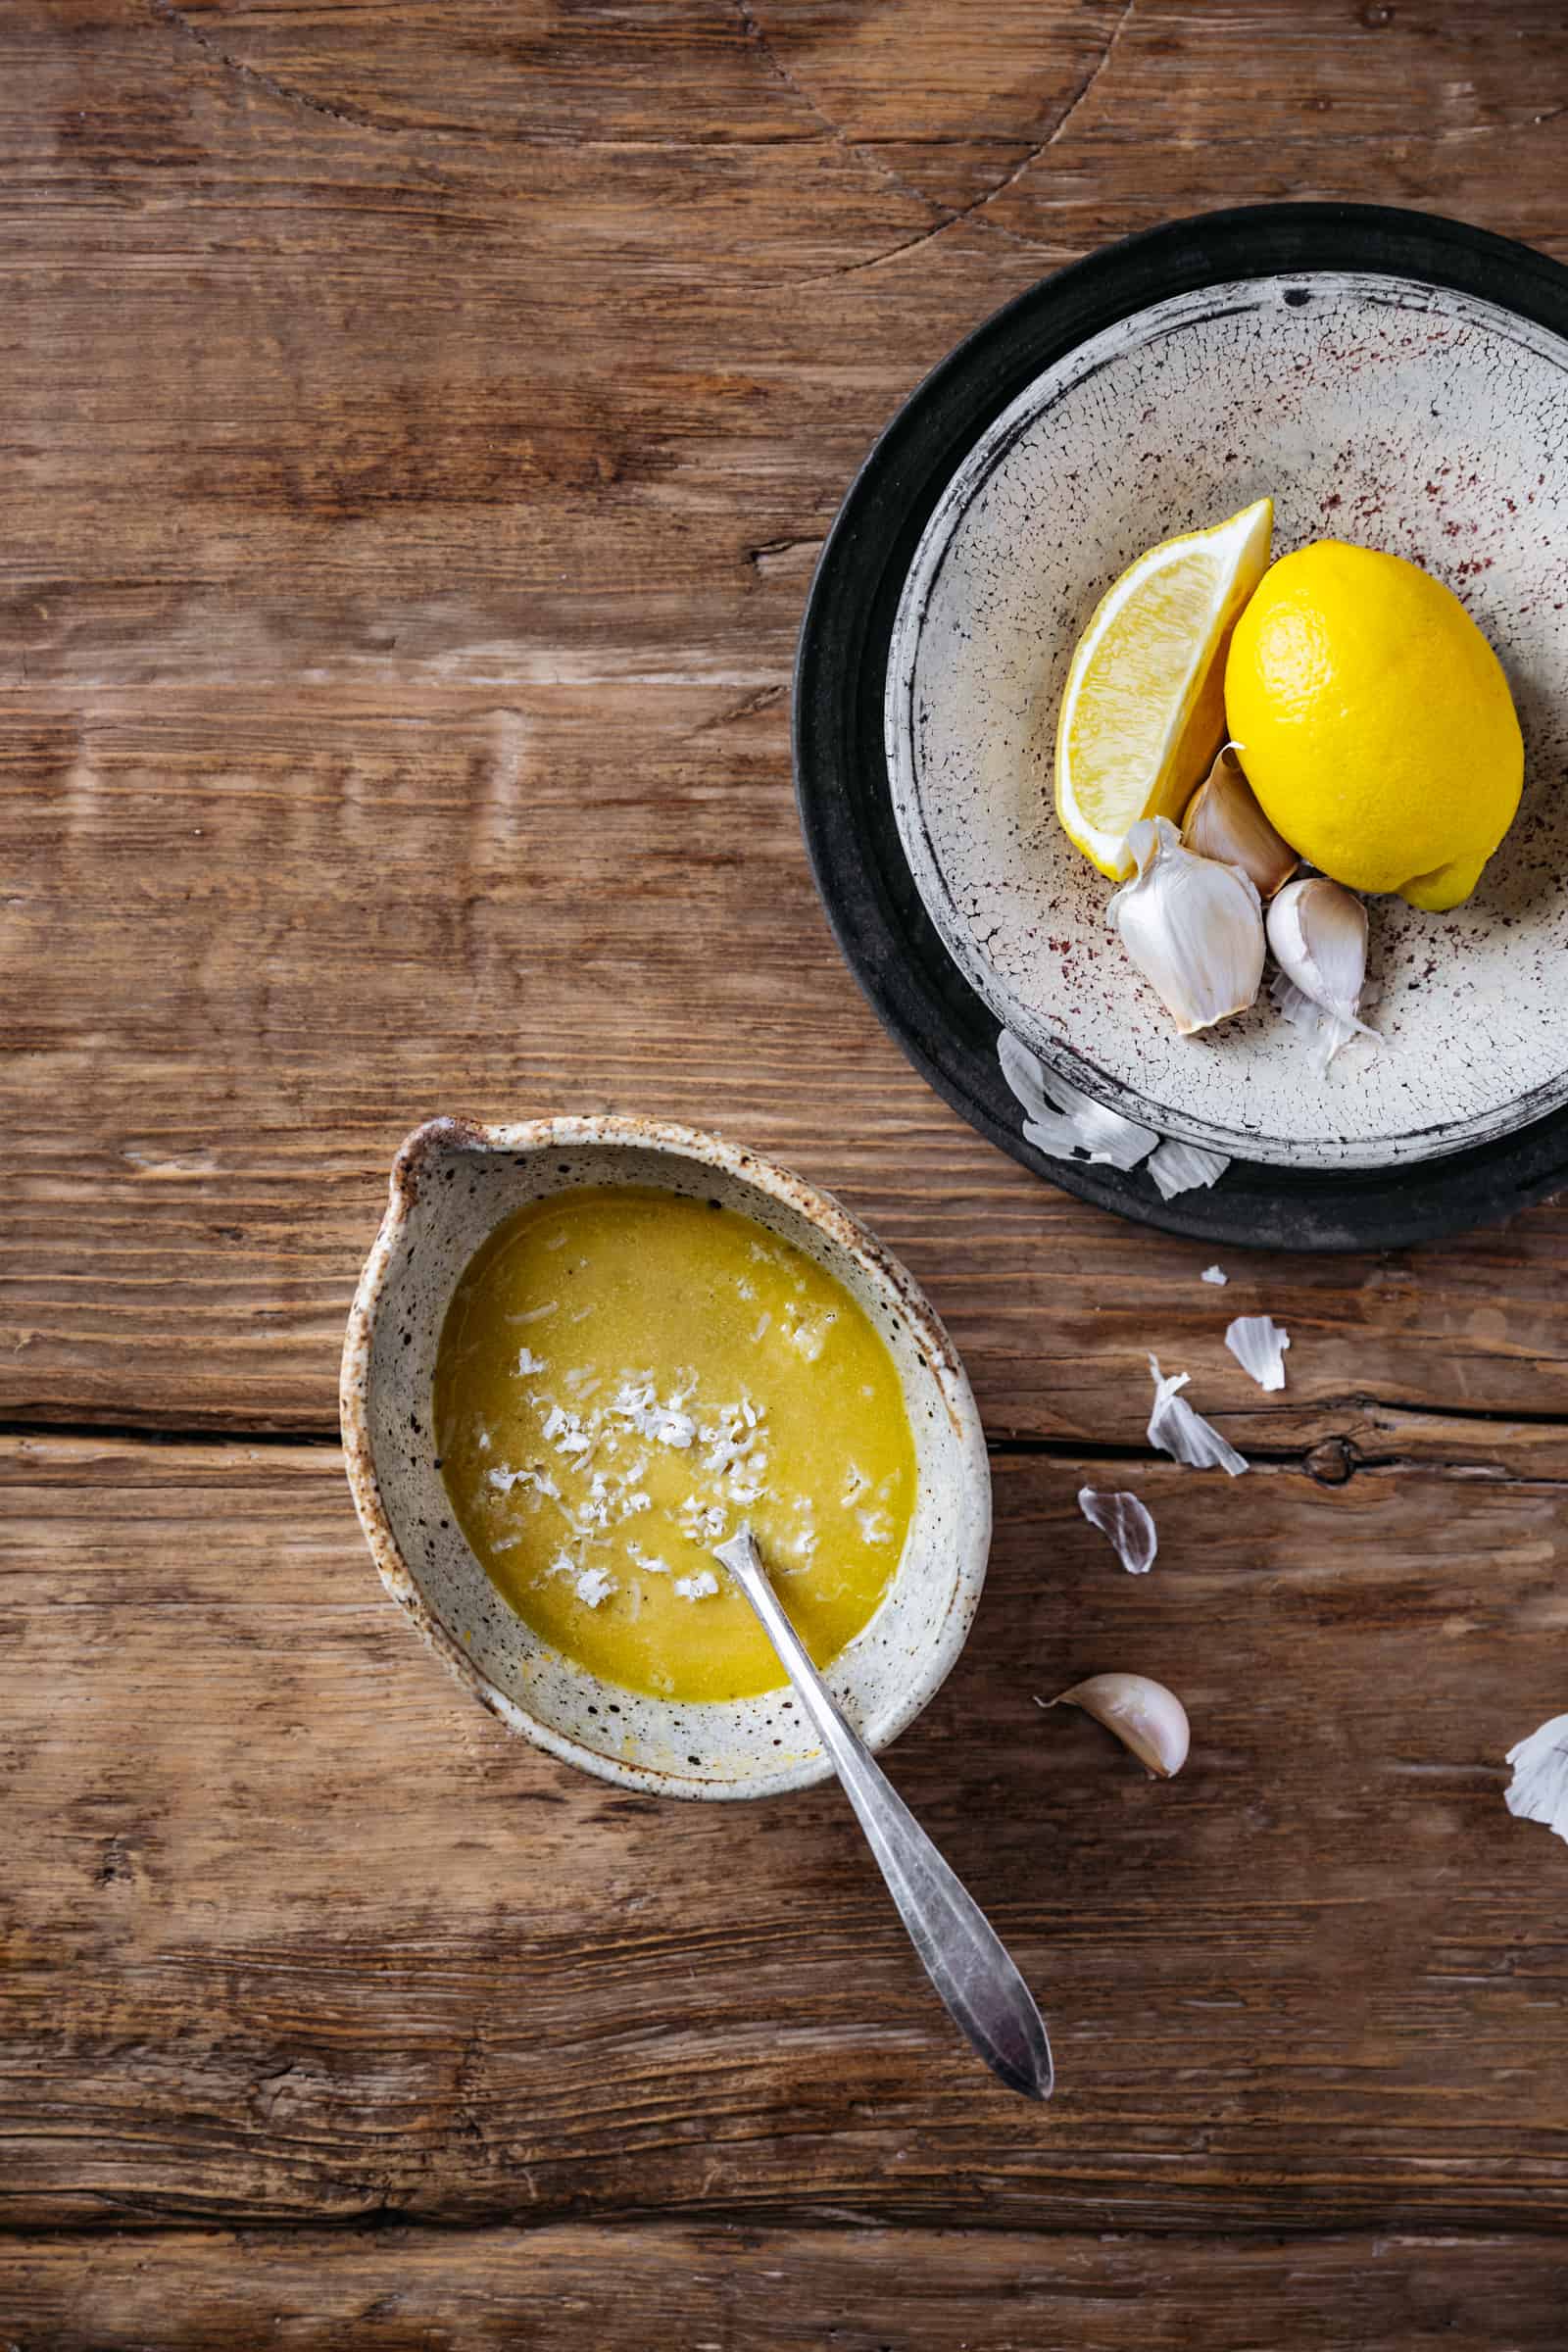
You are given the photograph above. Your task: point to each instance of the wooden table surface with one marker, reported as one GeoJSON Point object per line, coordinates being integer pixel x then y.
{"type": "Point", "coordinates": [418, 424]}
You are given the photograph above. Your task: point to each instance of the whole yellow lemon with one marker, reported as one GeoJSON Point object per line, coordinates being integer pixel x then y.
{"type": "Point", "coordinates": [1374, 723]}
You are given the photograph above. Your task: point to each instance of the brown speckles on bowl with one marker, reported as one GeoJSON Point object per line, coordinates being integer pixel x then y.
{"type": "Point", "coordinates": [1373, 407]}
{"type": "Point", "coordinates": [452, 1182]}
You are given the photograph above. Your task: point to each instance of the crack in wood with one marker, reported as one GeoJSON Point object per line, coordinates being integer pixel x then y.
{"type": "Point", "coordinates": [978, 209]}
{"type": "Point", "coordinates": [947, 216]}
{"type": "Point", "coordinates": [351, 116]}
{"type": "Point", "coordinates": [154, 1433]}
{"type": "Point", "coordinates": [748, 706]}
{"type": "Point", "coordinates": [1328, 1460]}
{"type": "Point", "coordinates": [763, 558]}
{"type": "Point", "coordinates": [835, 131]}
{"type": "Point", "coordinates": [980, 205]}
{"type": "Point", "coordinates": [1083, 91]}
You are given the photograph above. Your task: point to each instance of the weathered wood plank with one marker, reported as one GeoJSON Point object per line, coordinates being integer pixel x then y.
{"type": "Point", "coordinates": [237, 968]}
{"type": "Point", "coordinates": [619, 2290]}
{"type": "Point", "coordinates": [293, 1932]}
{"type": "Point", "coordinates": [417, 427]}
{"type": "Point", "coordinates": [392, 678]}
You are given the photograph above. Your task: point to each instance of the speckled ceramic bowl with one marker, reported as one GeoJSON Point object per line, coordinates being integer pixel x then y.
{"type": "Point", "coordinates": [1389, 376]}
{"type": "Point", "coordinates": [1374, 407]}
{"type": "Point", "coordinates": [452, 1182]}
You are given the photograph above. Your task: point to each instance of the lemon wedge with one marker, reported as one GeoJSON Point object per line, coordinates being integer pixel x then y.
{"type": "Point", "coordinates": [1143, 711]}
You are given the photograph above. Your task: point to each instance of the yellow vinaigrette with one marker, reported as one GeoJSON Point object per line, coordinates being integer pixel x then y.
{"type": "Point", "coordinates": [625, 1378]}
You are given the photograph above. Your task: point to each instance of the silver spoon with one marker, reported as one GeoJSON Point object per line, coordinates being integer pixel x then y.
{"type": "Point", "coordinates": [961, 1952]}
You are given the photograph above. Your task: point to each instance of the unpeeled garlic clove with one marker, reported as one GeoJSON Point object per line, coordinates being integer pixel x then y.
{"type": "Point", "coordinates": [1225, 822]}
{"type": "Point", "coordinates": [1194, 929]}
{"type": "Point", "coordinates": [1317, 930]}
{"type": "Point", "coordinates": [1145, 1716]}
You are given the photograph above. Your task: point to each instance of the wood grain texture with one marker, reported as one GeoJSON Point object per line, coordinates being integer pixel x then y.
{"type": "Point", "coordinates": [302, 1934]}
{"type": "Point", "coordinates": [451, 907]}
{"type": "Point", "coordinates": [620, 2289]}
{"type": "Point", "coordinates": [394, 656]}
{"type": "Point", "coordinates": [417, 426]}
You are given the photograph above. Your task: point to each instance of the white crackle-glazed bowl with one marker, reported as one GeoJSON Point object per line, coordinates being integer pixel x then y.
{"type": "Point", "coordinates": [451, 1184]}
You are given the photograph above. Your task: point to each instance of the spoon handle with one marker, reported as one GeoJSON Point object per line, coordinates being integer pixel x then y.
{"type": "Point", "coordinates": [961, 1952]}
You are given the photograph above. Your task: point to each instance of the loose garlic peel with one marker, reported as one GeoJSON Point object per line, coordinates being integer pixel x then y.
{"type": "Point", "coordinates": [1178, 1167]}
{"type": "Point", "coordinates": [1147, 1718]}
{"type": "Point", "coordinates": [1194, 929]}
{"type": "Point", "coordinates": [1224, 821]}
{"type": "Point", "coordinates": [1539, 1789]}
{"type": "Point", "coordinates": [1061, 1121]}
{"type": "Point", "coordinates": [1127, 1525]}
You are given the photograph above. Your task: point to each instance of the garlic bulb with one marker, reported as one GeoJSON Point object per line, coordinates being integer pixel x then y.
{"type": "Point", "coordinates": [1225, 822]}
{"type": "Point", "coordinates": [1145, 1716]}
{"type": "Point", "coordinates": [1194, 929]}
{"type": "Point", "coordinates": [1317, 930]}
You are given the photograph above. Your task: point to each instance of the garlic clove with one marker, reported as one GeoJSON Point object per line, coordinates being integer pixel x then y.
{"type": "Point", "coordinates": [1225, 822]}
{"type": "Point", "coordinates": [1145, 1716]}
{"type": "Point", "coordinates": [1193, 929]}
{"type": "Point", "coordinates": [1317, 930]}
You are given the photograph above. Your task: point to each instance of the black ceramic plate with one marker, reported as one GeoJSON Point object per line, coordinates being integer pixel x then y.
{"type": "Point", "coordinates": [842, 778]}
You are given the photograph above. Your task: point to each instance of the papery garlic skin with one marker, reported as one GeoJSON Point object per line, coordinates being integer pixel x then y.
{"type": "Point", "coordinates": [1324, 1032]}
{"type": "Point", "coordinates": [1193, 929]}
{"type": "Point", "coordinates": [1061, 1121]}
{"type": "Point", "coordinates": [1258, 1344]}
{"type": "Point", "coordinates": [1539, 1789]}
{"type": "Point", "coordinates": [1177, 1430]}
{"type": "Point", "coordinates": [1179, 1167]}
{"type": "Point", "coordinates": [1127, 1525]}
{"type": "Point", "coordinates": [1147, 1718]}
{"type": "Point", "coordinates": [1225, 822]}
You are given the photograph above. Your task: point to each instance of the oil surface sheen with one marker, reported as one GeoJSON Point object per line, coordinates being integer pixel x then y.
{"type": "Point", "coordinates": [626, 1377]}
